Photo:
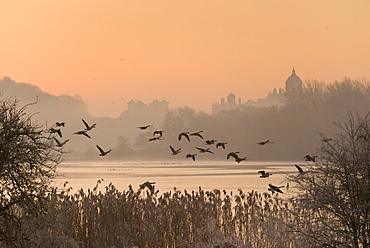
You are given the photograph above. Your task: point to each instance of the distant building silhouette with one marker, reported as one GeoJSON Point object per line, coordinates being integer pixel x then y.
{"type": "Point", "coordinates": [292, 84]}
{"type": "Point", "coordinates": [140, 112]}
{"type": "Point", "coordinates": [229, 104]}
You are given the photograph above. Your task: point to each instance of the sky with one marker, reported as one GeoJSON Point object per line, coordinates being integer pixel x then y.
{"type": "Point", "coordinates": [191, 52]}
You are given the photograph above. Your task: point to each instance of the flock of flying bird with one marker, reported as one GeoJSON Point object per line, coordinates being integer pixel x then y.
{"type": "Point", "coordinates": [158, 135]}
{"type": "Point", "coordinates": [57, 129]}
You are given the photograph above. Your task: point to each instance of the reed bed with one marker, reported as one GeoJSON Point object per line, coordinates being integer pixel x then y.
{"type": "Point", "coordinates": [146, 218]}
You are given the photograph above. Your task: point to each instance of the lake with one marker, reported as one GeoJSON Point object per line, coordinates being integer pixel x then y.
{"type": "Point", "coordinates": [223, 175]}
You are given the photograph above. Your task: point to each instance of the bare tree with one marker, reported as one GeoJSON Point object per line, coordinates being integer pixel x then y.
{"type": "Point", "coordinates": [28, 160]}
{"type": "Point", "coordinates": [334, 191]}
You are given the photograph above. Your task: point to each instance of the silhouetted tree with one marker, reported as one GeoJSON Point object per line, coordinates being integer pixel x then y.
{"type": "Point", "coordinates": [334, 192]}
{"type": "Point", "coordinates": [28, 159]}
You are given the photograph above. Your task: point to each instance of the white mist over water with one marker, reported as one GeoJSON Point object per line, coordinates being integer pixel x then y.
{"type": "Point", "coordinates": [223, 175]}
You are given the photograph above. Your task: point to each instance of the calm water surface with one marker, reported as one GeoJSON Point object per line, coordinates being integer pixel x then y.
{"type": "Point", "coordinates": [210, 175]}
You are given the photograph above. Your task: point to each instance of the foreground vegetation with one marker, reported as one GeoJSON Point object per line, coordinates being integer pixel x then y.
{"type": "Point", "coordinates": [144, 218]}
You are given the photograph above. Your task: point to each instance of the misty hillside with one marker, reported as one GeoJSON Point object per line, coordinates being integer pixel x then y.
{"type": "Point", "coordinates": [50, 109]}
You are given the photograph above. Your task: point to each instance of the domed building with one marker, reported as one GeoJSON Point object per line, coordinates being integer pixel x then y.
{"type": "Point", "coordinates": [274, 98]}
{"type": "Point", "coordinates": [230, 103]}
{"type": "Point", "coordinates": [231, 99]}
{"type": "Point", "coordinates": [293, 83]}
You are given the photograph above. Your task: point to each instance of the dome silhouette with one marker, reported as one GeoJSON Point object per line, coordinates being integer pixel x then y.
{"type": "Point", "coordinates": [293, 83]}
{"type": "Point", "coordinates": [231, 99]}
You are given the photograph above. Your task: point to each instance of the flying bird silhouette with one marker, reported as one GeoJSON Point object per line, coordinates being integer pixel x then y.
{"type": "Point", "coordinates": [102, 152]}
{"type": "Point", "coordinates": [203, 150]}
{"type": "Point", "coordinates": [310, 158]}
{"type": "Point", "coordinates": [299, 168]}
{"type": "Point", "coordinates": [232, 154]}
{"type": "Point", "coordinates": [184, 134]}
{"type": "Point", "coordinates": [145, 127]}
{"type": "Point", "coordinates": [156, 138]}
{"type": "Point", "coordinates": [87, 126]}
{"type": "Point", "coordinates": [83, 132]}
{"type": "Point", "coordinates": [149, 185]}
{"type": "Point", "coordinates": [238, 159]}
{"type": "Point", "coordinates": [159, 132]}
{"type": "Point", "coordinates": [191, 155]}
{"type": "Point", "coordinates": [261, 143]}
{"type": "Point", "coordinates": [210, 142]}
{"type": "Point", "coordinates": [264, 174]}
{"type": "Point", "coordinates": [60, 144]}
{"type": "Point", "coordinates": [275, 189]}
{"type": "Point", "coordinates": [197, 134]}
{"type": "Point", "coordinates": [60, 124]}
{"type": "Point", "coordinates": [222, 144]}
{"type": "Point", "coordinates": [174, 151]}
{"type": "Point", "coordinates": [54, 130]}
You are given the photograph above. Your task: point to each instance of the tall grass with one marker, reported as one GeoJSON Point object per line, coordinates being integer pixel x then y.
{"type": "Point", "coordinates": [146, 218]}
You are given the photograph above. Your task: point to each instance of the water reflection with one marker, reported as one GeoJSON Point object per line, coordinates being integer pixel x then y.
{"type": "Point", "coordinates": [167, 175]}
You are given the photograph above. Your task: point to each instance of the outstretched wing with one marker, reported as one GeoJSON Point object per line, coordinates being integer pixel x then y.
{"type": "Point", "coordinates": [59, 144]}
{"type": "Point", "coordinates": [84, 133]}
{"type": "Point", "coordinates": [200, 149]}
{"type": "Point", "coordinates": [299, 168]}
{"type": "Point", "coordinates": [100, 149]}
{"type": "Point", "coordinates": [86, 125]}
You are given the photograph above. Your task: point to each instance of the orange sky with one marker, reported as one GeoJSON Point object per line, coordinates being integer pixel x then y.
{"type": "Point", "coordinates": [189, 52]}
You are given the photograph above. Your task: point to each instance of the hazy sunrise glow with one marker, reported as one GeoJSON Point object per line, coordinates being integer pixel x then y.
{"type": "Point", "coordinates": [186, 52]}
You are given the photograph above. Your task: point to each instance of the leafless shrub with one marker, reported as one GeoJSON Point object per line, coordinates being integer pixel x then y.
{"type": "Point", "coordinates": [335, 191]}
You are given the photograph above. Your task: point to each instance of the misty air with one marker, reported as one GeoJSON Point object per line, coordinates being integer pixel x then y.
{"type": "Point", "coordinates": [184, 124]}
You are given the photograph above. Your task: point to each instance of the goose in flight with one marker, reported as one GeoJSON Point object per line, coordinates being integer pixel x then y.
{"type": "Point", "coordinates": [149, 185]}
{"type": "Point", "coordinates": [275, 189]}
{"type": "Point", "coordinates": [185, 134]}
{"type": "Point", "coordinates": [54, 130]}
{"type": "Point", "coordinates": [60, 124]}
{"type": "Point", "coordinates": [232, 154]}
{"type": "Point", "coordinates": [222, 144]}
{"type": "Point", "coordinates": [197, 134]}
{"type": "Point", "coordinates": [60, 144]}
{"type": "Point", "coordinates": [210, 142]}
{"type": "Point", "coordinates": [83, 132]}
{"type": "Point", "coordinates": [310, 158]}
{"type": "Point", "coordinates": [238, 159]}
{"type": "Point", "coordinates": [87, 126]}
{"type": "Point", "coordinates": [262, 143]}
{"type": "Point", "coordinates": [191, 155]}
{"type": "Point", "coordinates": [102, 152]}
{"type": "Point", "coordinates": [145, 127]}
{"type": "Point", "coordinates": [174, 151]}
{"type": "Point", "coordinates": [299, 168]}
{"type": "Point", "coordinates": [159, 132]}
{"type": "Point", "coordinates": [156, 138]}
{"type": "Point", "coordinates": [264, 174]}
{"type": "Point", "coordinates": [202, 150]}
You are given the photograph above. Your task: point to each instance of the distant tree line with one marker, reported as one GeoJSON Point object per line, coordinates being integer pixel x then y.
{"type": "Point", "coordinates": [293, 127]}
